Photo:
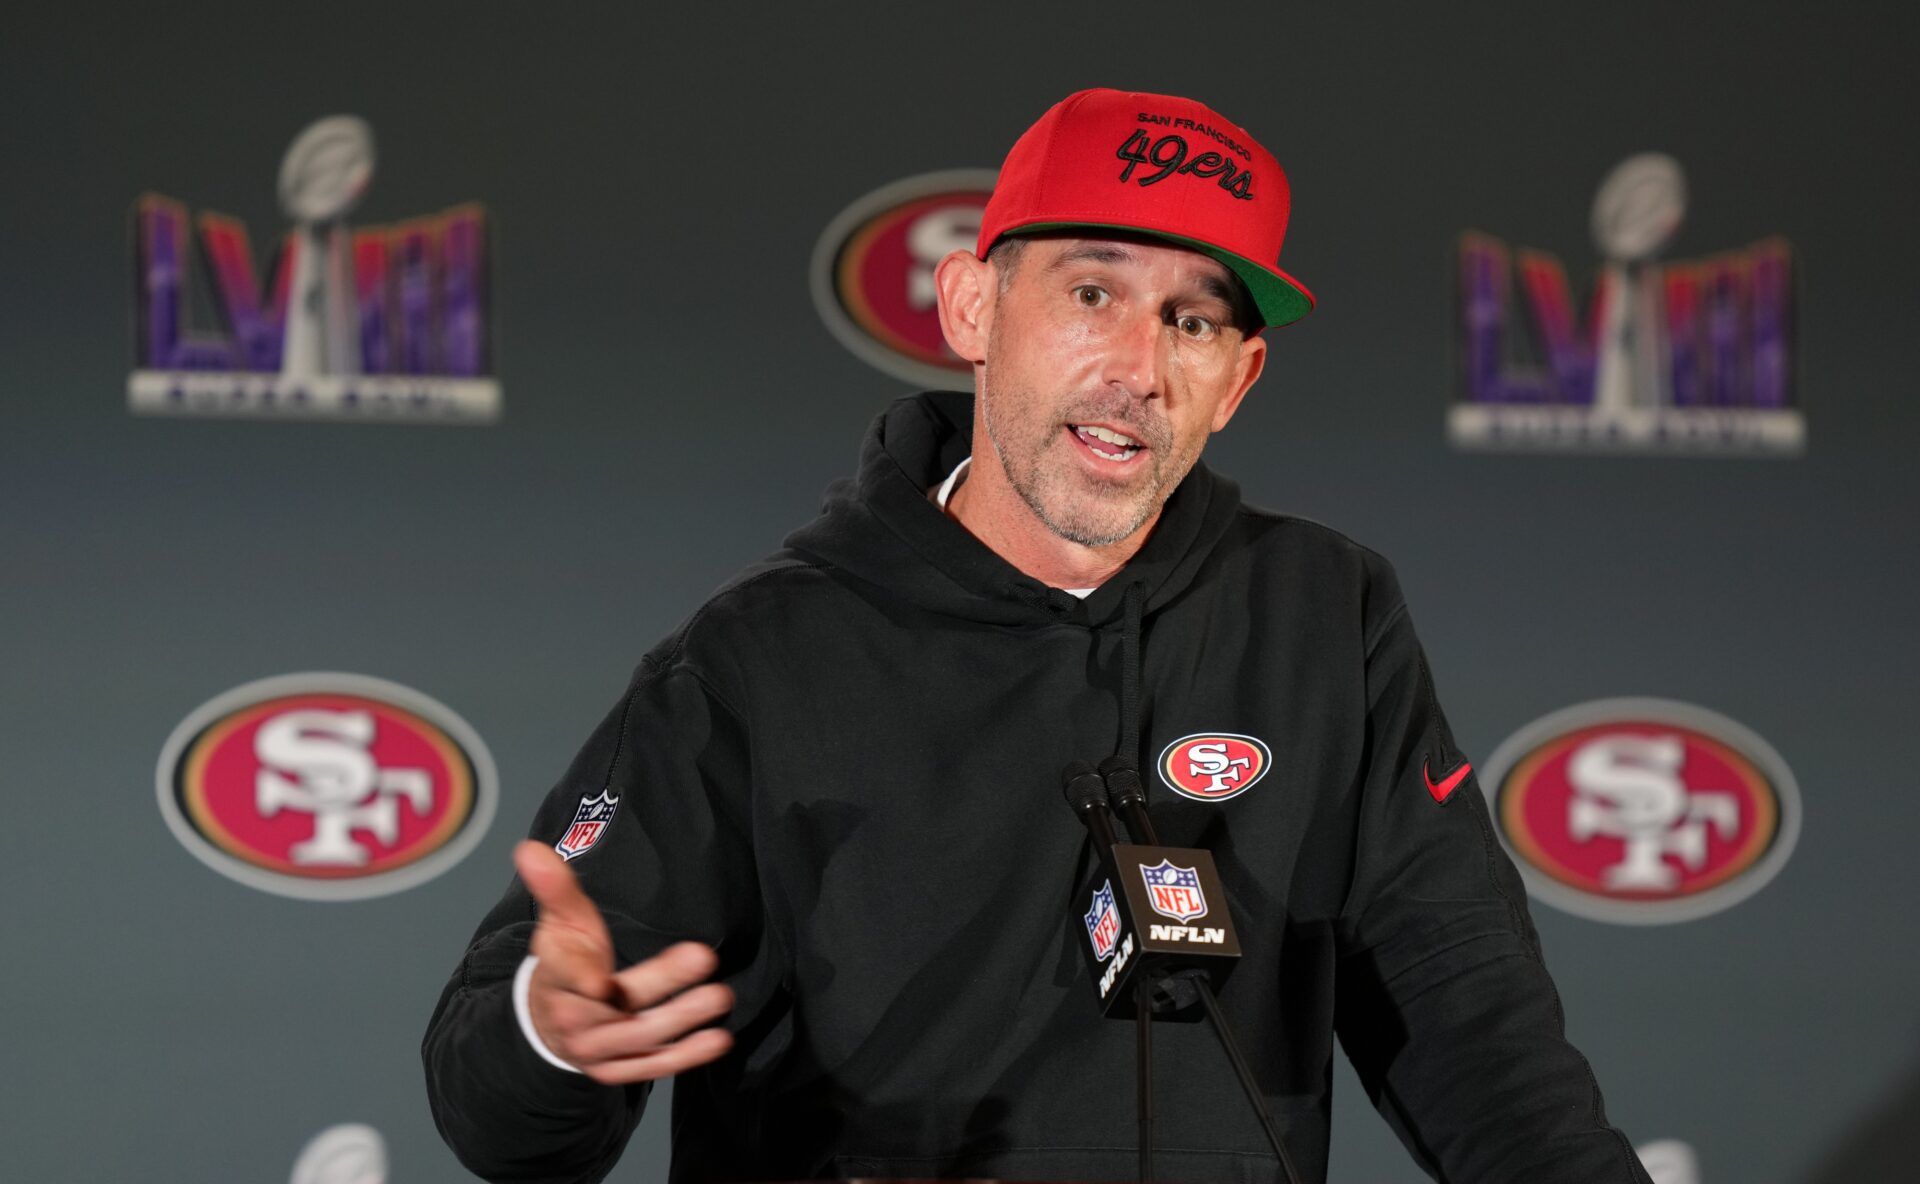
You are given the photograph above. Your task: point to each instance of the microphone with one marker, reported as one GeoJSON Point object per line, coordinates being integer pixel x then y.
{"type": "Point", "coordinates": [1087, 797]}
{"type": "Point", "coordinates": [1150, 911]}
{"type": "Point", "coordinates": [1177, 964]}
{"type": "Point", "coordinates": [1129, 797]}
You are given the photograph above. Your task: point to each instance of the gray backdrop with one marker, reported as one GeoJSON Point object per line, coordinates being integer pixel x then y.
{"type": "Point", "coordinates": [656, 180]}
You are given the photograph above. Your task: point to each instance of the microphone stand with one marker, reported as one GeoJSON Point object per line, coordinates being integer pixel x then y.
{"type": "Point", "coordinates": [1143, 1062]}
{"type": "Point", "coordinates": [1245, 1072]}
{"type": "Point", "coordinates": [1129, 799]}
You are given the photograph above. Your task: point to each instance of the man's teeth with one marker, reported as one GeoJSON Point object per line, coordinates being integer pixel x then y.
{"type": "Point", "coordinates": [1111, 437]}
{"type": "Point", "coordinates": [1125, 446]}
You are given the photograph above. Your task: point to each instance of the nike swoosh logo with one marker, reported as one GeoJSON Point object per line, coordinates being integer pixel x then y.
{"type": "Point", "coordinates": [1446, 787]}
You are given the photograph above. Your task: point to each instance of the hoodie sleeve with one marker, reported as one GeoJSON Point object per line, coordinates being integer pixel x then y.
{"type": "Point", "coordinates": [1444, 1005]}
{"type": "Point", "coordinates": [673, 863]}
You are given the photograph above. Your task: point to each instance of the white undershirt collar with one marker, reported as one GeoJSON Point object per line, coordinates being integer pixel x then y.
{"type": "Point", "coordinates": [959, 474]}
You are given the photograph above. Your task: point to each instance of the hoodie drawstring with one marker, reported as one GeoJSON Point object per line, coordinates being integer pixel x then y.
{"type": "Point", "coordinates": [1130, 675]}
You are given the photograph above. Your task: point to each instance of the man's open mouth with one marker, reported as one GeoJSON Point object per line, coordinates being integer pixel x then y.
{"type": "Point", "coordinates": [1105, 442]}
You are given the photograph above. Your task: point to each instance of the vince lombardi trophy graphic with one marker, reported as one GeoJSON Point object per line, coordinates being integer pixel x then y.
{"type": "Point", "coordinates": [351, 1153]}
{"type": "Point", "coordinates": [322, 178]}
{"type": "Point", "coordinates": [1636, 213]}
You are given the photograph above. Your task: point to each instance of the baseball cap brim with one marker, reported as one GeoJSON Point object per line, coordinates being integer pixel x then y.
{"type": "Point", "coordinates": [1279, 298]}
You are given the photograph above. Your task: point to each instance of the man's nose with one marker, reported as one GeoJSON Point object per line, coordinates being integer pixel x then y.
{"type": "Point", "coordinates": [1136, 357]}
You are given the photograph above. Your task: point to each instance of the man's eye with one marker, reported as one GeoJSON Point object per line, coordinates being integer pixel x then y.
{"type": "Point", "coordinates": [1090, 295]}
{"type": "Point", "coordinates": [1195, 326]}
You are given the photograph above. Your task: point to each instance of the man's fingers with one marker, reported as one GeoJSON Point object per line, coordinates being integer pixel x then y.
{"type": "Point", "coordinates": [638, 1025]}
{"type": "Point", "coordinates": [565, 1016]}
{"type": "Point", "coordinates": [651, 1030]}
{"type": "Point", "coordinates": [570, 939]}
{"type": "Point", "coordinates": [557, 892]}
{"type": "Point", "coordinates": [708, 1044]}
{"type": "Point", "coordinates": [666, 974]}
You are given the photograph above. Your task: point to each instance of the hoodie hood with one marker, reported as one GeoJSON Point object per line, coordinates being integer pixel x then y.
{"type": "Point", "coordinates": [880, 526]}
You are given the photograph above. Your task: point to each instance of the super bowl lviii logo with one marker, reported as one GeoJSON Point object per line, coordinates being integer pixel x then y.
{"type": "Point", "coordinates": [1687, 356]}
{"type": "Point", "coordinates": [872, 273]}
{"type": "Point", "coordinates": [1642, 811]}
{"type": "Point", "coordinates": [370, 322]}
{"type": "Point", "coordinates": [326, 786]}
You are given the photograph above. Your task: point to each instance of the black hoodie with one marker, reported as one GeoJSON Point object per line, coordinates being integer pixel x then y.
{"type": "Point", "coordinates": [843, 773]}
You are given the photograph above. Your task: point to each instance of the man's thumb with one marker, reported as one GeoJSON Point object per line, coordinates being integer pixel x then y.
{"type": "Point", "coordinates": [555, 889]}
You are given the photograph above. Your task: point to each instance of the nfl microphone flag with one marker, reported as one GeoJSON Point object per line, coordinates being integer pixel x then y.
{"type": "Point", "coordinates": [1152, 911]}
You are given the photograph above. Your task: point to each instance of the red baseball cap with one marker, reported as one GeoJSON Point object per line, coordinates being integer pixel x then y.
{"type": "Point", "coordinates": [1159, 165]}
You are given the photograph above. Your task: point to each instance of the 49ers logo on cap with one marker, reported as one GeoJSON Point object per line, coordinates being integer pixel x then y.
{"type": "Point", "coordinates": [1168, 156]}
{"type": "Point", "coordinates": [326, 786]}
{"type": "Point", "coordinates": [1643, 811]}
{"type": "Point", "coordinates": [1214, 766]}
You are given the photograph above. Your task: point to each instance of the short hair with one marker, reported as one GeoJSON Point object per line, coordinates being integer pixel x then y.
{"type": "Point", "coordinates": [1005, 257]}
{"type": "Point", "coordinates": [1242, 313]}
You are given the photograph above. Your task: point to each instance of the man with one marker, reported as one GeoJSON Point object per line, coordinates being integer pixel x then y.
{"type": "Point", "coordinates": [827, 808]}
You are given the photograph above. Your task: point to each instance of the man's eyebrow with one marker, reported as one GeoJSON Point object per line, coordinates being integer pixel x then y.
{"type": "Point", "coordinates": [1091, 253]}
{"type": "Point", "coordinates": [1221, 289]}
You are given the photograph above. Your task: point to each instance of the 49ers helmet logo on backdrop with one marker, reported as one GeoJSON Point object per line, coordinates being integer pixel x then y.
{"type": "Point", "coordinates": [1642, 811]}
{"type": "Point", "coordinates": [326, 786]}
{"type": "Point", "coordinates": [1214, 766]}
{"type": "Point", "coordinates": [872, 271]}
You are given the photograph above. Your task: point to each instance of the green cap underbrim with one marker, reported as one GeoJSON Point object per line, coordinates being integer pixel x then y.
{"type": "Point", "coordinates": [1277, 297]}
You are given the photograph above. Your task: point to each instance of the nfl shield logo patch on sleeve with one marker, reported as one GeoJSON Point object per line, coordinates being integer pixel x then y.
{"type": "Point", "coordinates": [590, 821]}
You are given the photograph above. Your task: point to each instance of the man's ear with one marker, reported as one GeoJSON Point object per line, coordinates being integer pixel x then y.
{"type": "Point", "coordinates": [1253, 359]}
{"type": "Point", "coordinates": [964, 284]}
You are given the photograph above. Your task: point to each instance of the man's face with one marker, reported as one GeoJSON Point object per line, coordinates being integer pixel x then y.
{"type": "Point", "coordinates": [1109, 362]}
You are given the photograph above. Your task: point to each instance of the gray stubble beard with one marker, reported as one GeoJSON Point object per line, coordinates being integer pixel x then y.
{"type": "Point", "coordinates": [1033, 480]}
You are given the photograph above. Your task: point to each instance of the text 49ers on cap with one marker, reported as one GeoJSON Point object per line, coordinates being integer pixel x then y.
{"type": "Point", "coordinates": [1159, 165]}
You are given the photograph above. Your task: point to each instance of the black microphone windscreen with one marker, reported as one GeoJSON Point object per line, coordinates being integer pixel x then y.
{"type": "Point", "coordinates": [1082, 787]}
{"type": "Point", "coordinates": [1123, 780]}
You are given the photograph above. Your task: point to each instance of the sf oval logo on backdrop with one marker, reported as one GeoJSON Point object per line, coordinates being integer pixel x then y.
{"type": "Point", "coordinates": [1214, 766]}
{"type": "Point", "coordinates": [326, 786]}
{"type": "Point", "coordinates": [1643, 811]}
{"type": "Point", "coordinates": [872, 272]}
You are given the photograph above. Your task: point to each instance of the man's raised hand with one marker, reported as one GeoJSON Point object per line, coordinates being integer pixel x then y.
{"type": "Point", "coordinates": [639, 1024]}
